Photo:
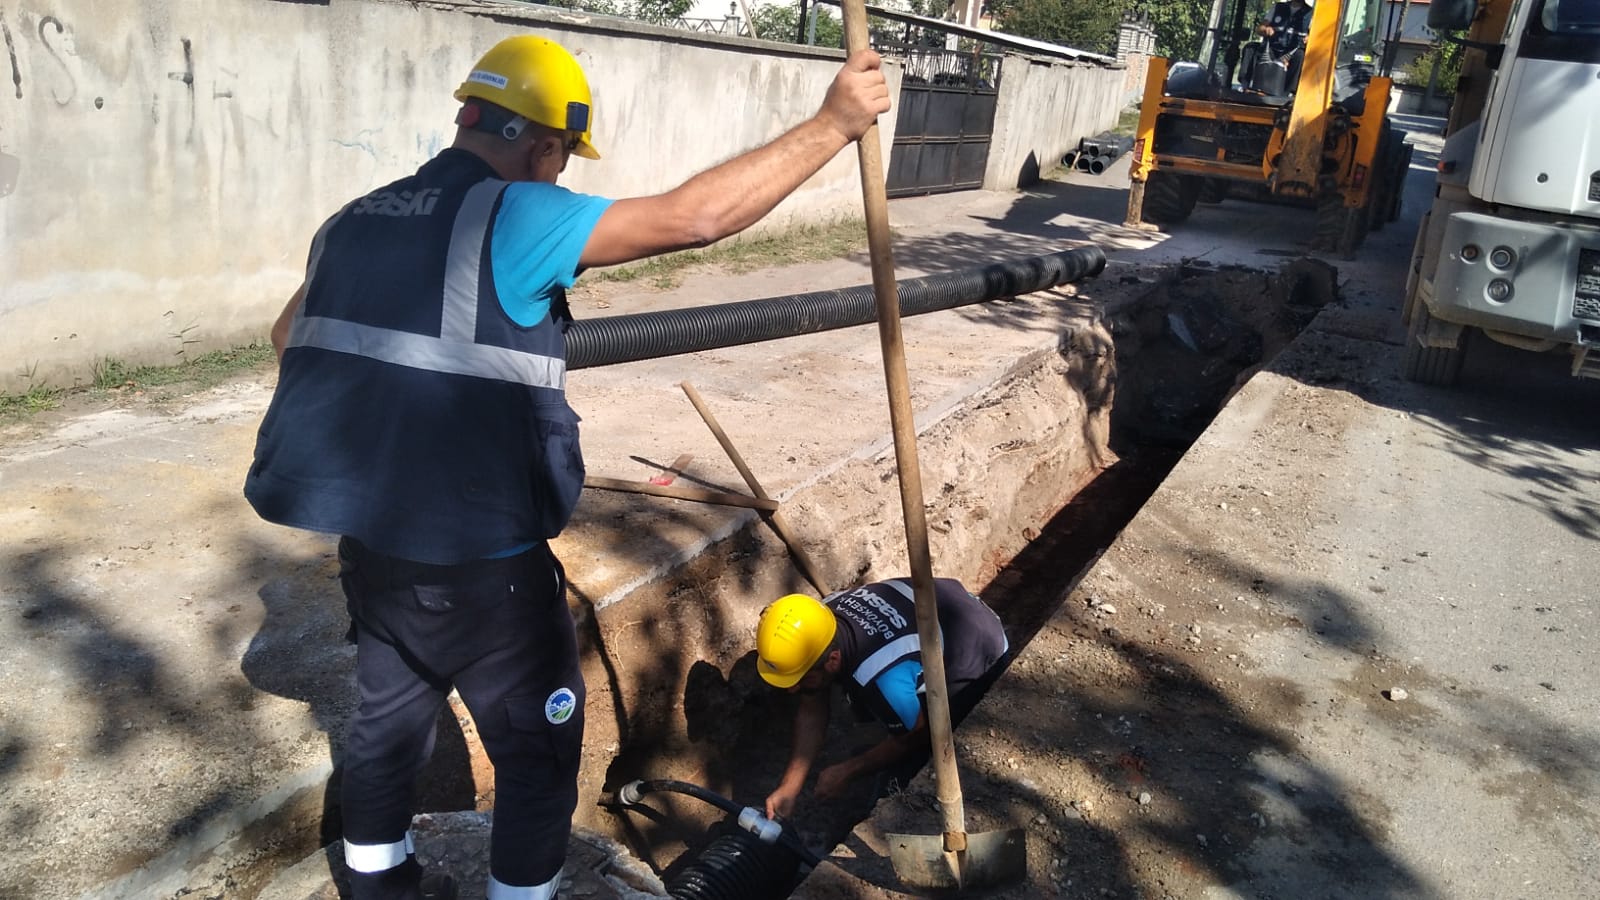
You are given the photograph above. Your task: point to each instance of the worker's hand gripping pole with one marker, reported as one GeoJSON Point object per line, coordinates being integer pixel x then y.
{"type": "Point", "coordinates": [905, 447]}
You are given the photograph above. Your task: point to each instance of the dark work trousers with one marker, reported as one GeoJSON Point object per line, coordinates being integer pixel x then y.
{"type": "Point", "coordinates": [499, 631]}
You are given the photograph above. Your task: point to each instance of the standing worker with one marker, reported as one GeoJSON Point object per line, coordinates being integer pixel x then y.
{"type": "Point", "coordinates": [420, 414]}
{"type": "Point", "coordinates": [866, 640]}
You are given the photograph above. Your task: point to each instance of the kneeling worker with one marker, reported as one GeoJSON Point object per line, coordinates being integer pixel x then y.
{"type": "Point", "coordinates": [866, 640]}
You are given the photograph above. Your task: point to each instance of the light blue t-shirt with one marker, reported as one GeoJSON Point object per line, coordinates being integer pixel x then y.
{"type": "Point", "coordinates": [539, 237]}
{"type": "Point", "coordinates": [901, 687]}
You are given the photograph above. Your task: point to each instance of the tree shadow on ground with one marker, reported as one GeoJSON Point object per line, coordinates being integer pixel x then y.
{"type": "Point", "coordinates": [1512, 414]}
{"type": "Point", "coordinates": [163, 693]}
{"type": "Point", "coordinates": [1515, 414]}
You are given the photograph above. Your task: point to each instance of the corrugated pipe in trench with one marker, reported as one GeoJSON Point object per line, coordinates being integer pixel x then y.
{"type": "Point", "coordinates": [617, 339]}
{"type": "Point", "coordinates": [747, 856]}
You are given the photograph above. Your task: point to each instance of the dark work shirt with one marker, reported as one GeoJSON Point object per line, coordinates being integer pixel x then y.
{"type": "Point", "coordinates": [1290, 25]}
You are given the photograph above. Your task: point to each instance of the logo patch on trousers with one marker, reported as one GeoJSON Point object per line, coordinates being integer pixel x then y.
{"type": "Point", "coordinates": [559, 706]}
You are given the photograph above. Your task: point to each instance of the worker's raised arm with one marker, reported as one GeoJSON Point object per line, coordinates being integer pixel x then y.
{"type": "Point", "coordinates": [731, 197]}
{"type": "Point", "coordinates": [810, 728]}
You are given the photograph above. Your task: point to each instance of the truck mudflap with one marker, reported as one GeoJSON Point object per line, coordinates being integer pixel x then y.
{"type": "Point", "coordinates": [1536, 280]}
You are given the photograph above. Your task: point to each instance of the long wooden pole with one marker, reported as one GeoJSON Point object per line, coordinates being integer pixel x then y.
{"type": "Point", "coordinates": [905, 450]}
{"type": "Point", "coordinates": [774, 518]}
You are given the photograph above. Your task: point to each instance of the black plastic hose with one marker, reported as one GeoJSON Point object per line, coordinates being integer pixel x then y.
{"type": "Point", "coordinates": [634, 791]}
{"type": "Point", "coordinates": [618, 339]}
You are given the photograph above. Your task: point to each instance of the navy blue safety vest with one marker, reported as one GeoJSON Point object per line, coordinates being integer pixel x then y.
{"type": "Point", "coordinates": [411, 412]}
{"type": "Point", "coordinates": [878, 629]}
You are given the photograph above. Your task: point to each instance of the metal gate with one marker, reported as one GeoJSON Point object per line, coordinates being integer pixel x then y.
{"type": "Point", "coordinates": [946, 119]}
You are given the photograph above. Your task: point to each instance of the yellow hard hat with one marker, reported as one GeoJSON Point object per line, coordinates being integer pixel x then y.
{"type": "Point", "coordinates": [792, 635]}
{"type": "Point", "coordinates": [538, 80]}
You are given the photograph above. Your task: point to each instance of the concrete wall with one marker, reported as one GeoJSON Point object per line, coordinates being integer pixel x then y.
{"type": "Point", "coordinates": [163, 164]}
{"type": "Point", "coordinates": [1044, 109]}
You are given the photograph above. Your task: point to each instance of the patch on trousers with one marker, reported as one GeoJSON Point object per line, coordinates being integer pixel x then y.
{"type": "Point", "coordinates": [558, 706]}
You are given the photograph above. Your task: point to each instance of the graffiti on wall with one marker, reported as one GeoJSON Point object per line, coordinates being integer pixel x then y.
{"type": "Point", "coordinates": [56, 40]}
{"type": "Point", "coordinates": [11, 54]}
{"type": "Point", "coordinates": [42, 64]}
{"type": "Point", "coordinates": [10, 166]}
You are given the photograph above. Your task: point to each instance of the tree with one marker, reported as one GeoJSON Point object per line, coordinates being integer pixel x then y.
{"type": "Point", "coordinates": [661, 12]}
{"type": "Point", "coordinates": [1081, 24]}
{"type": "Point", "coordinates": [1447, 55]}
{"type": "Point", "coordinates": [779, 22]}
{"type": "Point", "coordinates": [1180, 25]}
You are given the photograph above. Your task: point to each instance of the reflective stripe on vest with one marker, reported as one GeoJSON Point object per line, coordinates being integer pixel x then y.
{"type": "Point", "coordinates": [369, 858]}
{"type": "Point", "coordinates": [454, 351]}
{"type": "Point", "coordinates": [895, 650]}
{"type": "Point", "coordinates": [886, 656]}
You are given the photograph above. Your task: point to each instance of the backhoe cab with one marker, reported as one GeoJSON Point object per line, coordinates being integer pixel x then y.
{"type": "Point", "coordinates": [1306, 125]}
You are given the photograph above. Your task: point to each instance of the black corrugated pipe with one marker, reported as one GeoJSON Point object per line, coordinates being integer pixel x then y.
{"type": "Point", "coordinates": [617, 339]}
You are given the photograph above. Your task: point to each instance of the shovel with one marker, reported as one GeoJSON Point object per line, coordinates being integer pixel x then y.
{"type": "Point", "coordinates": [953, 859]}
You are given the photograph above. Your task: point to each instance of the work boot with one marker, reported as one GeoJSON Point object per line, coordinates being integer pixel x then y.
{"type": "Point", "coordinates": [438, 886]}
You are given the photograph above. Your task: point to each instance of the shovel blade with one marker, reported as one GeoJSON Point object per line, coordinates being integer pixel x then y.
{"type": "Point", "coordinates": [992, 859]}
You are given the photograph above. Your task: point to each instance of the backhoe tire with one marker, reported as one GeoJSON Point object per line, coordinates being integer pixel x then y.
{"type": "Point", "coordinates": [1390, 166]}
{"type": "Point", "coordinates": [1380, 195]}
{"type": "Point", "coordinates": [1340, 229]}
{"type": "Point", "coordinates": [1213, 191]}
{"type": "Point", "coordinates": [1437, 366]}
{"type": "Point", "coordinates": [1169, 198]}
{"type": "Point", "coordinates": [1397, 197]}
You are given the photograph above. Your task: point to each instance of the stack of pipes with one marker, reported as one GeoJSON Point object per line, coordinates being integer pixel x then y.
{"type": "Point", "coordinates": [1096, 154]}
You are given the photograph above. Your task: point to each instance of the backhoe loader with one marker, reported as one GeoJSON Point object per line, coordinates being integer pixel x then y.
{"type": "Point", "coordinates": [1310, 129]}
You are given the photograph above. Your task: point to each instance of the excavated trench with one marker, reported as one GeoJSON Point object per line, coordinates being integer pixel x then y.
{"type": "Point", "coordinates": [1154, 370]}
{"type": "Point", "coordinates": [1180, 351]}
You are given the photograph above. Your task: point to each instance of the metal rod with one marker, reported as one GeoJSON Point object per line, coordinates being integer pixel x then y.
{"type": "Point", "coordinates": [680, 492]}
{"type": "Point", "coordinates": [775, 518]}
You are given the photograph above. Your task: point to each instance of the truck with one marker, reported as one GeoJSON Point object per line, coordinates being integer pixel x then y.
{"type": "Point", "coordinates": [1510, 248]}
{"type": "Point", "coordinates": [1311, 128]}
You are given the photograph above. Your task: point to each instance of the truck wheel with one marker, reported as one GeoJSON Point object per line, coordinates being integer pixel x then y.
{"type": "Point", "coordinates": [1414, 269]}
{"type": "Point", "coordinates": [1169, 198]}
{"type": "Point", "coordinates": [1438, 366]}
